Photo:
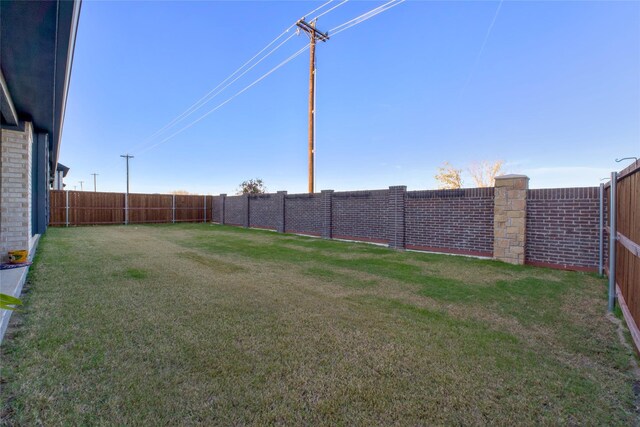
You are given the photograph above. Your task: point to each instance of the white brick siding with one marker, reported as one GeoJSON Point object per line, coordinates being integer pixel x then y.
{"type": "Point", "coordinates": [15, 190]}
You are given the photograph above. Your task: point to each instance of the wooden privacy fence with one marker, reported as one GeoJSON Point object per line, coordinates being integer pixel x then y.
{"type": "Point", "coordinates": [69, 208]}
{"type": "Point", "coordinates": [622, 205]}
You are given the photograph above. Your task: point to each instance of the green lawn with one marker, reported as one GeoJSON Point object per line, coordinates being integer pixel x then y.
{"type": "Point", "coordinates": [206, 324]}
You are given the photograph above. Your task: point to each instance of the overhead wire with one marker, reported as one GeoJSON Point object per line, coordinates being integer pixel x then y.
{"type": "Point", "coordinates": [290, 58]}
{"type": "Point", "coordinates": [208, 96]}
{"type": "Point", "coordinates": [365, 16]}
{"type": "Point", "coordinates": [214, 92]}
{"type": "Point", "coordinates": [329, 10]}
{"type": "Point", "coordinates": [336, 30]}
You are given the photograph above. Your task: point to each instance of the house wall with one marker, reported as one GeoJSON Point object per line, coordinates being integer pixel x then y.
{"type": "Point", "coordinates": [15, 191]}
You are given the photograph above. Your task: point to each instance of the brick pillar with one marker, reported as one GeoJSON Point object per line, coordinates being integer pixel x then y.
{"type": "Point", "coordinates": [280, 210]}
{"type": "Point", "coordinates": [223, 199]}
{"type": "Point", "coordinates": [15, 189]}
{"type": "Point", "coordinates": [509, 218]}
{"type": "Point", "coordinates": [326, 196]}
{"type": "Point", "coordinates": [245, 211]}
{"type": "Point", "coordinates": [395, 224]}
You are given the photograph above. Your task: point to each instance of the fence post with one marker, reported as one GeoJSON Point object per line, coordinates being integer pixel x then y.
{"type": "Point", "coordinates": [223, 199]}
{"type": "Point", "coordinates": [601, 233]}
{"type": "Point", "coordinates": [246, 205]}
{"type": "Point", "coordinates": [281, 197]}
{"type": "Point", "coordinates": [173, 208]}
{"type": "Point", "coordinates": [67, 208]}
{"type": "Point", "coordinates": [396, 204]}
{"type": "Point", "coordinates": [327, 196]}
{"type": "Point", "coordinates": [205, 209]}
{"type": "Point", "coordinates": [126, 208]}
{"type": "Point", "coordinates": [612, 241]}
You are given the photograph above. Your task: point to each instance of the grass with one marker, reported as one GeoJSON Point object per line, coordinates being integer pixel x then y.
{"type": "Point", "coordinates": [206, 324]}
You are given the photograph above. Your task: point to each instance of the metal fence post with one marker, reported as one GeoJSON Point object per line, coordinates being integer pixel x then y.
{"type": "Point", "coordinates": [126, 208]}
{"type": "Point", "coordinates": [67, 208]}
{"type": "Point", "coordinates": [205, 209]}
{"type": "Point", "coordinates": [612, 240]}
{"type": "Point", "coordinates": [601, 234]}
{"type": "Point", "coordinates": [173, 209]}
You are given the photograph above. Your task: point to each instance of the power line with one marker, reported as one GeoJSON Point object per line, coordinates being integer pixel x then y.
{"type": "Point", "coordinates": [327, 11]}
{"type": "Point", "coordinates": [227, 101]}
{"type": "Point", "coordinates": [342, 27]}
{"type": "Point", "coordinates": [314, 11]}
{"type": "Point", "coordinates": [365, 16]}
{"type": "Point", "coordinates": [207, 97]}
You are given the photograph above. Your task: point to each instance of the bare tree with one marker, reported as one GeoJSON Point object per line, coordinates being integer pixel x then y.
{"type": "Point", "coordinates": [252, 186]}
{"type": "Point", "coordinates": [449, 177]}
{"type": "Point", "coordinates": [484, 173]}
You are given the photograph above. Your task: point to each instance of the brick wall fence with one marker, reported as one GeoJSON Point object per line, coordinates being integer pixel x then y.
{"type": "Point", "coordinates": [551, 227]}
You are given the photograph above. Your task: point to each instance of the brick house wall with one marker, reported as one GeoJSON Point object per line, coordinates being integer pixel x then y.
{"type": "Point", "coordinates": [263, 212]}
{"type": "Point", "coordinates": [234, 210]}
{"type": "Point", "coordinates": [360, 215]}
{"type": "Point", "coordinates": [563, 227]}
{"type": "Point", "coordinates": [452, 221]}
{"type": "Point", "coordinates": [15, 192]}
{"type": "Point", "coordinates": [303, 214]}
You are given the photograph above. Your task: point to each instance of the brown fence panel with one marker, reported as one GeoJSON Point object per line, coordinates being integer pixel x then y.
{"type": "Point", "coordinates": [627, 274]}
{"type": "Point", "coordinates": [90, 208]}
{"type": "Point", "coordinates": [190, 208]}
{"type": "Point", "coordinates": [94, 208]}
{"type": "Point", "coordinates": [57, 200]}
{"type": "Point", "coordinates": [150, 208]}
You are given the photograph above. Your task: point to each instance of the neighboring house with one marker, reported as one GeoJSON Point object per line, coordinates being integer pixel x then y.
{"type": "Point", "coordinates": [58, 180]}
{"type": "Point", "coordinates": [37, 40]}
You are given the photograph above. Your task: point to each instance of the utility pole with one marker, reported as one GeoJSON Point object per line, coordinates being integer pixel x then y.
{"type": "Point", "coordinates": [126, 196]}
{"type": "Point", "coordinates": [313, 33]}
{"type": "Point", "coordinates": [81, 185]}
{"type": "Point", "coordinates": [95, 188]}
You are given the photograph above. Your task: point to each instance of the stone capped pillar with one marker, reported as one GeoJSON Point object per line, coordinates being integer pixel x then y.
{"type": "Point", "coordinates": [510, 218]}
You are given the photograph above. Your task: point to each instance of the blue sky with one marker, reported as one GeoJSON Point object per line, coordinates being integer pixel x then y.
{"type": "Point", "coordinates": [554, 92]}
